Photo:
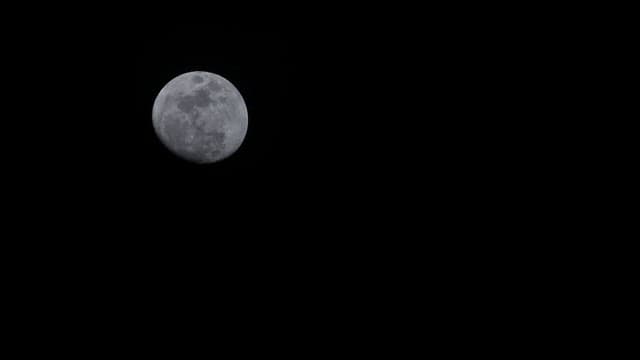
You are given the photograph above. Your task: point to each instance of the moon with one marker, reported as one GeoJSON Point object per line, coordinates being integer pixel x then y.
{"type": "Point", "coordinates": [200, 117]}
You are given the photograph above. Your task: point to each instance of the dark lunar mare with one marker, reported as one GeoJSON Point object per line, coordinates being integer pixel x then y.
{"type": "Point", "coordinates": [214, 86]}
{"type": "Point", "coordinates": [197, 79]}
{"type": "Point", "coordinates": [201, 98]}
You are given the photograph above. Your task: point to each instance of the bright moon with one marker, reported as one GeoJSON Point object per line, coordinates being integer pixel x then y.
{"type": "Point", "coordinates": [201, 117]}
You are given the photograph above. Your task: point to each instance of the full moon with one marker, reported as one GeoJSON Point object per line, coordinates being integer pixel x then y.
{"type": "Point", "coordinates": [201, 117]}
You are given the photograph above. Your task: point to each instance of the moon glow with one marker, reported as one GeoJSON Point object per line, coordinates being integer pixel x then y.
{"type": "Point", "coordinates": [201, 117]}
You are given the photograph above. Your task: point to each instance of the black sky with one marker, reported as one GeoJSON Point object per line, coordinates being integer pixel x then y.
{"type": "Point", "coordinates": [347, 125]}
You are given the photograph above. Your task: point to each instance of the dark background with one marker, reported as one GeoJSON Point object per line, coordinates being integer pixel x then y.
{"type": "Point", "coordinates": [354, 130]}
{"type": "Point", "coordinates": [384, 160]}
{"type": "Point", "coordinates": [360, 133]}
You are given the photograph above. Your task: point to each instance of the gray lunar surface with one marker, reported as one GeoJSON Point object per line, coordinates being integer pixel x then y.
{"type": "Point", "coordinates": [201, 117]}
